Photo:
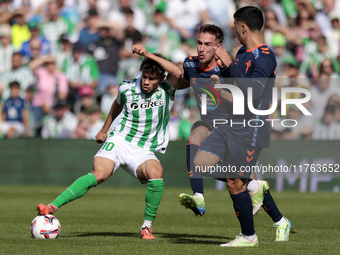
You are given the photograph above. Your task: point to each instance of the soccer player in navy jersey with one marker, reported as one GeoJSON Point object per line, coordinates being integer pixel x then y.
{"type": "Point", "coordinates": [255, 67]}
{"type": "Point", "coordinates": [204, 65]}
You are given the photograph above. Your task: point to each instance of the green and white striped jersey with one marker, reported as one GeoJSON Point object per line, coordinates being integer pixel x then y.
{"type": "Point", "coordinates": [145, 122]}
{"type": "Point", "coordinates": [23, 75]}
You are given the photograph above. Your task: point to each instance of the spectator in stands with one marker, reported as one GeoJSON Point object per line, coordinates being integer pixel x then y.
{"type": "Point", "coordinates": [314, 60]}
{"type": "Point", "coordinates": [327, 128]}
{"type": "Point", "coordinates": [55, 25]}
{"type": "Point", "coordinates": [81, 70]}
{"type": "Point", "coordinates": [281, 52]}
{"type": "Point", "coordinates": [129, 62]}
{"type": "Point", "coordinates": [51, 86]}
{"type": "Point", "coordinates": [118, 15]}
{"type": "Point", "coordinates": [6, 48]}
{"type": "Point", "coordinates": [81, 130]}
{"type": "Point", "coordinates": [20, 31]}
{"type": "Point", "coordinates": [106, 103]}
{"type": "Point", "coordinates": [106, 53]}
{"type": "Point", "coordinates": [26, 48]}
{"type": "Point", "coordinates": [327, 67]}
{"type": "Point", "coordinates": [65, 51]}
{"type": "Point", "coordinates": [81, 107]}
{"type": "Point", "coordinates": [185, 15]}
{"type": "Point", "coordinates": [19, 73]}
{"type": "Point", "coordinates": [14, 114]}
{"type": "Point", "coordinates": [89, 34]}
{"type": "Point", "coordinates": [320, 94]}
{"type": "Point", "coordinates": [95, 120]}
{"type": "Point", "coordinates": [61, 124]}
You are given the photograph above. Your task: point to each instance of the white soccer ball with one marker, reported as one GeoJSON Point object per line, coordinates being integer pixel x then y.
{"type": "Point", "coordinates": [45, 227]}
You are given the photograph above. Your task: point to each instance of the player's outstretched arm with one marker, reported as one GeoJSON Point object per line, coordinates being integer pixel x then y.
{"type": "Point", "coordinates": [174, 73]}
{"type": "Point", "coordinates": [114, 112]}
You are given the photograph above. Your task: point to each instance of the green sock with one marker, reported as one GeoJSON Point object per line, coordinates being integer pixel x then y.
{"type": "Point", "coordinates": [77, 189]}
{"type": "Point", "coordinates": [153, 198]}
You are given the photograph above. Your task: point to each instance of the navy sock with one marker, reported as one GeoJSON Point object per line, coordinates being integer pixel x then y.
{"type": "Point", "coordinates": [270, 207]}
{"type": "Point", "coordinates": [196, 180]}
{"type": "Point", "coordinates": [244, 212]}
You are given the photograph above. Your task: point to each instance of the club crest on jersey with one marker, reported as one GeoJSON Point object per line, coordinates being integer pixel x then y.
{"type": "Point", "coordinates": [212, 104]}
{"type": "Point", "coordinates": [146, 105]}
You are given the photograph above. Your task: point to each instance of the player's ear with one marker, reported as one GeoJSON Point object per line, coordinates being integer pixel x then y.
{"type": "Point", "coordinates": [219, 45]}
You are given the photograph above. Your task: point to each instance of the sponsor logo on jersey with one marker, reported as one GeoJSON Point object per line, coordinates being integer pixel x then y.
{"type": "Point", "coordinates": [147, 105]}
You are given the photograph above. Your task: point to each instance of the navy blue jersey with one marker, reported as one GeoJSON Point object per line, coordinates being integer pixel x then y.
{"type": "Point", "coordinates": [254, 68]}
{"type": "Point", "coordinates": [216, 105]}
{"type": "Point", "coordinates": [13, 109]}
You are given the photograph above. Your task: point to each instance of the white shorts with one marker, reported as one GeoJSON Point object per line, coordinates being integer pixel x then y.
{"type": "Point", "coordinates": [124, 154]}
{"type": "Point", "coordinates": [17, 125]}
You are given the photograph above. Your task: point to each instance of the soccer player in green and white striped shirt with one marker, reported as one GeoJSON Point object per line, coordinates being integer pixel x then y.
{"type": "Point", "coordinates": [144, 128]}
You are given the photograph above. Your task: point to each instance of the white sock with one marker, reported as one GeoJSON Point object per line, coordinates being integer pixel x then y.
{"type": "Point", "coordinates": [200, 195]}
{"type": "Point", "coordinates": [250, 238]}
{"type": "Point", "coordinates": [280, 222]}
{"type": "Point", "coordinates": [252, 186]}
{"type": "Point", "coordinates": [147, 223]}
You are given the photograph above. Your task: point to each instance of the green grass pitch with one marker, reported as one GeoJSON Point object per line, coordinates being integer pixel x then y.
{"type": "Point", "coordinates": [107, 221]}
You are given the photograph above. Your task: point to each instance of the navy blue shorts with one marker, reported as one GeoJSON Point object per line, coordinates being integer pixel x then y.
{"type": "Point", "coordinates": [238, 160]}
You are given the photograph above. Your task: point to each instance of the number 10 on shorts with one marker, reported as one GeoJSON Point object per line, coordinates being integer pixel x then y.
{"type": "Point", "coordinates": [108, 146]}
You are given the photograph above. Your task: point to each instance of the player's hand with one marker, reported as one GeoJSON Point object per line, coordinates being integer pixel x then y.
{"type": "Point", "coordinates": [215, 80]}
{"type": "Point", "coordinates": [101, 137]}
{"type": "Point", "coordinates": [224, 56]}
{"type": "Point", "coordinates": [140, 50]}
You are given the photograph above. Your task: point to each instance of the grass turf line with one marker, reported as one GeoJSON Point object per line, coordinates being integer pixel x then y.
{"type": "Point", "coordinates": [108, 220]}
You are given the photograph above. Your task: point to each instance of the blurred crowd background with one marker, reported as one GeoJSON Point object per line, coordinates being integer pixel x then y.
{"type": "Point", "coordinates": [61, 61]}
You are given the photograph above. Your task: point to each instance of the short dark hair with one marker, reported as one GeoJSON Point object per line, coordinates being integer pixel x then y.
{"type": "Point", "coordinates": [214, 30]}
{"type": "Point", "coordinates": [149, 66]}
{"type": "Point", "coordinates": [14, 84]}
{"type": "Point", "coordinates": [251, 16]}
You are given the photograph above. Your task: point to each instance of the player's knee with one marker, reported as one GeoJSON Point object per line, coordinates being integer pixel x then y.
{"type": "Point", "coordinates": [101, 175]}
{"type": "Point", "coordinates": [156, 174]}
{"type": "Point", "coordinates": [198, 163]}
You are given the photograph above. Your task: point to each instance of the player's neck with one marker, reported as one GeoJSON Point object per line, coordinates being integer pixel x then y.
{"type": "Point", "coordinates": [208, 66]}
{"type": "Point", "coordinates": [254, 42]}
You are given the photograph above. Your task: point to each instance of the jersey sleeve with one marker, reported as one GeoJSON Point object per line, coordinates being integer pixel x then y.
{"type": "Point", "coordinates": [169, 89]}
{"type": "Point", "coordinates": [122, 90]}
{"type": "Point", "coordinates": [185, 69]}
{"type": "Point", "coordinates": [263, 69]}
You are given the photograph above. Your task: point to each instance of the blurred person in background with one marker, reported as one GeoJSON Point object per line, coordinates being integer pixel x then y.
{"type": "Point", "coordinates": [19, 73]}
{"type": "Point", "coordinates": [160, 37]}
{"type": "Point", "coordinates": [6, 48]}
{"type": "Point", "coordinates": [150, 6]}
{"type": "Point", "coordinates": [87, 99]}
{"type": "Point", "coordinates": [324, 89]}
{"type": "Point", "coordinates": [54, 26]}
{"type": "Point", "coordinates": [106, 53]}
{"type": "Point", "coordinates": [129, 62]}
{"type": "Point", "coordinates": [106, 103]}
{"type": "Point", "coordinates": [81, 70]}
{"type": "Point", "coordinates": [117, 15]}
{"type": "Point", "coordinates": [314, 59]}
{"type": "Point", "coordinates": [185, 15]}
{"type": "Point", "coordinates": [51, 86]}
{"type": "Point", "coordinates": [327, 67]}
{"type": "Point", "coordinates": [65, 51]}
{"type": "Point", "coordinates": [278, 44]}
{"type": "Point", "coordinates": [81, 130]}
{"type": "Point", "coordinates": [96, 122]}
{"type": "Point", "coordinates": [14, 121]}
{"type": "Point", "coordinates": [61, 123]}
{"type": "Point", "coordinates": [26, 49]}
{"type": "Point", "coordinates": [89, 34]}
{"type": "Point", "coordinates": [327, 128]}
{"type": "Point", "coordinates": [20, 31]}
